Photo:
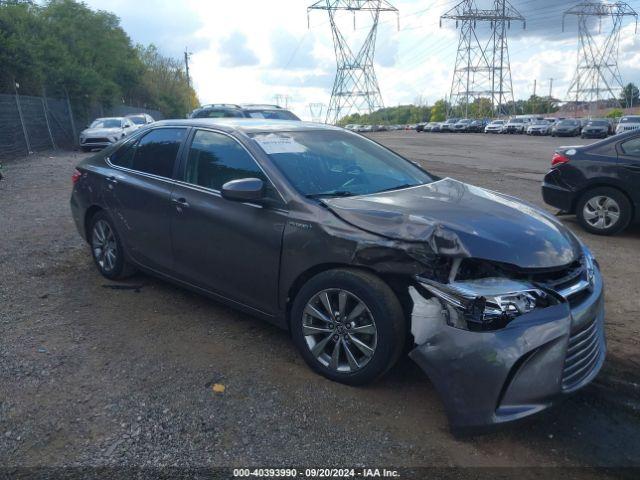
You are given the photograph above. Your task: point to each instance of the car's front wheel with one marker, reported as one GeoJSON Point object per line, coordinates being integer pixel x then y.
{"type": "Point", "coordinates": [106, 248]}
{"type": "Point", "coordinates": [348, 325]}
{"type": "Point", "coordinates": [604, 211]}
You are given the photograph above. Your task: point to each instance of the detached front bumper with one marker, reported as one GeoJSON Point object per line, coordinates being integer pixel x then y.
{"type": "Point", "coordinates": [487, 378]}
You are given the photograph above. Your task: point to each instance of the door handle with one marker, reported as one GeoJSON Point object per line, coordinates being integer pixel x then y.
{"type": "Point", "coordinates": [112, 179]}
{"type": "Point", "coordinates": [180, 202]}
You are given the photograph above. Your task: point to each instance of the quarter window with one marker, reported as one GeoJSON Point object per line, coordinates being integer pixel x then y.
{"type": "Point", "coordinates": [215, 159]}
{"type": "Point", "coordinates": [155, 153]}
{"type": "Point", "coordinates": [631, 147]}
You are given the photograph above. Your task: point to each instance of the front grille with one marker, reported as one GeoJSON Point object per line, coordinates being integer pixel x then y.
{"type": "Point", "coordinates": [97, 140]}
{"type": "Point", "coordinates": [583, 354]}
{"type": "Point", "coordinates": [630, 127]}
{"type": "Point", "coordinates": [571, 282]}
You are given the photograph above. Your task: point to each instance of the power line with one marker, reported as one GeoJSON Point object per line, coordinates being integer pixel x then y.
{"type": "Point", "coordinates": [482, 69]}
{"type": "Point", "coordinates": [597, 74]}
{"type": "Point", "coordinates": [355, 88]}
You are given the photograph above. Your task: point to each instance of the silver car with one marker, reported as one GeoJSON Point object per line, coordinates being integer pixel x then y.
{"type": "Point", "coordinates": [105, 131]}
{"type": "Point", "coordinates": [140, 119]}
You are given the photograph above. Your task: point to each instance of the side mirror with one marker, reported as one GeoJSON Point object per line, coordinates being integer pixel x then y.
{"type": "Point", "coordinates": [243, 190]}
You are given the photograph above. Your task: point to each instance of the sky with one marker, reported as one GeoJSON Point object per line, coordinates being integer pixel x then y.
{"type": "Point", "coordinates": [246, 51]}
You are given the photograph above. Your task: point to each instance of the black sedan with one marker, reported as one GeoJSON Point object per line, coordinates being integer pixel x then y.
{"type": "Point", "coordinates": [566, 128]}
{"type": "Point", "coordinates": [599, 183]}
{"type": "Point", "coordinates": [358, 253]}
{"type": "Point", "coordinates": [597, 128]}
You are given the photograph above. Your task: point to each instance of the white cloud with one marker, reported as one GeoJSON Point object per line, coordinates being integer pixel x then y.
{"type": "Point", "coordinates": [234, 51]}
{"type": "Point", "coordinates": [251, 50]}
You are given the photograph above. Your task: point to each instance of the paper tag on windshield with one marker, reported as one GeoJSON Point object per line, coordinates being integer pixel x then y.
{"type": "Point", "coordinates": [273, 144]}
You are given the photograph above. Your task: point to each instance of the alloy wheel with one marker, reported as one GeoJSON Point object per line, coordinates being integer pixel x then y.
{"type": "Point", "coordinates": [103, 243]}
{"type": "Point", "coordinates": [339, 330]}
{"type": "Point", "coordinates": [601, 212]}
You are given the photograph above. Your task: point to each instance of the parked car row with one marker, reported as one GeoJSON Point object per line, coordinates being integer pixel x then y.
{"type": "Point", "coordinates": [530, 125]}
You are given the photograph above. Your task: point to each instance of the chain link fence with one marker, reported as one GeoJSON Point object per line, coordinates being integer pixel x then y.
{"type": "Point", "coordinates": [35, 124]}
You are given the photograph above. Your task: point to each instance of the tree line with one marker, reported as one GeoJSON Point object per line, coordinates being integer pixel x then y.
{"type": "Point", "coordinates": [63, 47]}
{"type": "Point", "coordinates": [478, 108]}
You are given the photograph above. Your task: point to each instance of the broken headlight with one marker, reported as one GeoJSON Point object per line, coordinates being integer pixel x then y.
{"type": "Point", "coordinates": [487, 303]}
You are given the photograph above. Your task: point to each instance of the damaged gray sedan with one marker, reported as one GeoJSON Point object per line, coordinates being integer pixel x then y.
{"type": "Point", "coordinates": [358, 252]}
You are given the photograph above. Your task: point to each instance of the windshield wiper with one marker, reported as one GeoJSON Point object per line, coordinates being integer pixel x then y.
{"type": "Point", "coordinates": [334, 193]}
{"type": "Point", "coordinates": [399, 187]}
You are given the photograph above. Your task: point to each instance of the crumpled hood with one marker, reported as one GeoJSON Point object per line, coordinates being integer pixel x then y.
{"type": "Point", "coordinates": [462, 220]}
{"type": "Point", "coordinates": [101, 132]}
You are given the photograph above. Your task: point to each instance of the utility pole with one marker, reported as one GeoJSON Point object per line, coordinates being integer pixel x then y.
{"type": "Point", "coordinates": [282, 100]}
{"type": "Point", "coordinates": [355, 88]}
{"type": "Point", "coordinates": [187, 55]}
{"type": "Point", "coordinates": [482, 68]}
{"type": "Point", "coordinates": [597, 71]}
{"type": "Point", "coordinates": [316, 110]}
{"type": "Point", "coordinates": [535, 84]}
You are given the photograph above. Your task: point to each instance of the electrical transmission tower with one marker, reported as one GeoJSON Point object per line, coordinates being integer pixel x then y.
{"type": "Point", "coordinates": [597, 74]}
{"type": "Point", "coordinates": [316, 110]}
{"type": "Point", "coordinates": [482, 73]}
{"type": "Point", "coordinates": [355, 87]}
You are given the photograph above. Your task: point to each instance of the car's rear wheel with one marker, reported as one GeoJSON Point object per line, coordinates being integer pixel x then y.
{"type": "Point", "coordinates": [348, 326]}
{"type": "Point", "coordinates": [106, 248]}
{"type": "Point", "coordinates": [604, 211]}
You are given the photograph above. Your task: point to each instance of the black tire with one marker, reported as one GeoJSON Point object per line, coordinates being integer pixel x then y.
{"type": "Point", "coordinates": [384, 307]}
{"type": "Point", "coordinates": [624, 209]}
{"type": "Point", "coordinates": [120, 268]}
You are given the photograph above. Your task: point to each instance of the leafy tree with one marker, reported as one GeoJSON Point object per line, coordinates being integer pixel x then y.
{"type": "Point", "coordinates": [615, 113]}
{"type": "Point", "coordinates": [630, 96]}
{"type": "Point", "coordinates": [439, 111]}
{"type": "Point", "coordinates": [66, 48]}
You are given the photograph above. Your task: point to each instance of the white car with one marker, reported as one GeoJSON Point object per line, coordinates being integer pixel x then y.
{"type": "Point", "coordinates": [495, 126]}
{"type": "Point", "coordinates": [104, 131]}
{"type": "Point", "coordinates": [140, 120]}
{"type": "Point", "coordinates": [628, 123]}
{"type": "Point", "coordinates": [539, 127]}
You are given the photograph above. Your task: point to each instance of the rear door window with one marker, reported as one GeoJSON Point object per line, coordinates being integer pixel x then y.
{"type": "Point", "coordinates": [631, 147]}
{"type": "Point", "coordinates": [155, 153]}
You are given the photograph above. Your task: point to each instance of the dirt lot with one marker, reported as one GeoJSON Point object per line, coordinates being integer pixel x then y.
{"type": "Point", "coordinates": [91, 375]}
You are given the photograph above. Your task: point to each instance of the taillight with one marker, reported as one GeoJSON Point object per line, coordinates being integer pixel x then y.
{"type": "Point", "coordinates": [559, 159]}
{"type": "Point", "coordinates": [75, 177]}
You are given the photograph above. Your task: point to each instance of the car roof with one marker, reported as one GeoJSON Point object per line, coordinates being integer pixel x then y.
{"type": "Point", "coordinates": [249, 125]}
{"type": "Point", "coordinates": [260, 106]}
{"type": "Point", "coordinates": [108, 118]}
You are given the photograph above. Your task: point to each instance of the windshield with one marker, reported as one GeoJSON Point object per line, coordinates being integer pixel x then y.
{"type": "Point", "coordinates": [540, 122]}
{"type": "Point", "coordinates": [272, 114]}
{"type": "Point", "coordinates": [598, 123]}
{"type": "Point", "coordinates": [107, 123]}
{"type": "Point", "coordinates": [497, 122]}
{"type": "Point", "coordinates": [630, 120]}
{"type": "Point", "coordinates": [516, 120]}
{"type": "Point", "coordinates": [334, 163]}
{"type": "Point", "coordinates": [567, 123]}
{"type": "Point", "coordinates": [137, 120]}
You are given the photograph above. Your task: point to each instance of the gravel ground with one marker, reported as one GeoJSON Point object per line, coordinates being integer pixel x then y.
{"type": "Point", "coordinates": [96, 376]}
